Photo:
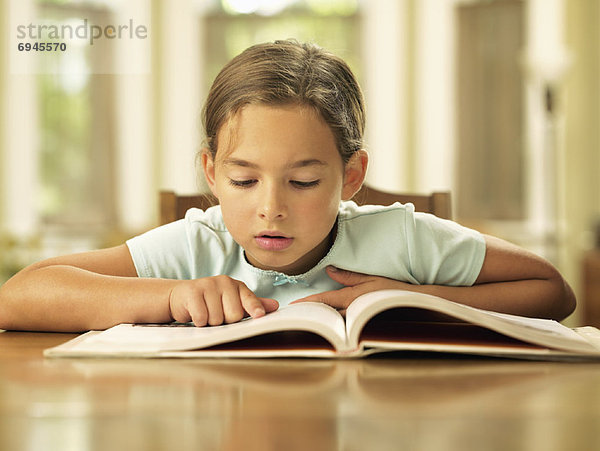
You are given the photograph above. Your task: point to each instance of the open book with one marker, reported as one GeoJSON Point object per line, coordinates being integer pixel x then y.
{"type": "Point", "coordinates": [388, 320]}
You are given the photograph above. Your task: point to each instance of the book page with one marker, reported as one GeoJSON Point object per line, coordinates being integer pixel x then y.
{"type": "Point", "coordinates": [540, 325]}
{"type": "Point", "coordinates": [536, 331]}
{"type": "Point", "coordinates": [146, 339]}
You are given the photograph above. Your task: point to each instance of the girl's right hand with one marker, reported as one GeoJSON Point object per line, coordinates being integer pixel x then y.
{"type": "Point", "coordinates": [216, 300]}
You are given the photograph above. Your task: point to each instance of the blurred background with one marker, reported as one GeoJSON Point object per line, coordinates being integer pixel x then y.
{"type": "Point", "coordinates": [497, 101]}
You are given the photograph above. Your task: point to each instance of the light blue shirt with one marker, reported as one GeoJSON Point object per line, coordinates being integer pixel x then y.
{"type": "Point", "coordinates": [394, 242]}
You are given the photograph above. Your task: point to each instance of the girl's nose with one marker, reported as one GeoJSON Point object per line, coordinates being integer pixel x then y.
{"type": "Point", "coordinates": [272, 205]}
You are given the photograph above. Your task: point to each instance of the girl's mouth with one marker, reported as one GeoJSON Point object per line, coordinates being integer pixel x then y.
{"type": "Point", "coordinates": [273, 242]}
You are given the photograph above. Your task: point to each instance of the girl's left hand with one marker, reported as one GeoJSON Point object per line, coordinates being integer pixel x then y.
{"type": "Point", "coordinates": [355, 285]}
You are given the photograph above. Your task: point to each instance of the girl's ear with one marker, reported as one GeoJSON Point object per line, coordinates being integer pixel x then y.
{"type": "Point", "coordinates": [208, 165]}
{"type": "Point", "coordinates": [354, 174]}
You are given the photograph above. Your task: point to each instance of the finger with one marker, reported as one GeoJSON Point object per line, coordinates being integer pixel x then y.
{"type": "Point", "coordinates": [214, 305]}
{"type": "Point", "coordinates": [339, 299]}
{"type": "Point", "coordinates": [198, 312]}
{"type": "Point", "coordinates": [179, 299]}
{"type": "Point", "coordinates": [311, 298]}
{"type": "Point", "coordinates": [250, 302]}
{"type": "Point", "coordinates": [347, 278]}
{"type": "Point", "coordinates": [232, 305]}
{"type": "Point", "coordinates": [270, 305]}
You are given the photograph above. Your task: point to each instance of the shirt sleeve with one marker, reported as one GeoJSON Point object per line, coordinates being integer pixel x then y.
{"type": "Point", "coordinates": [194, 247]}
{"type": "Point", "coordinates": [162, 252]}
{"type": "Point", "coordinates": [405, 245]}
{"type": "Point", "coordinates": [443, 252]}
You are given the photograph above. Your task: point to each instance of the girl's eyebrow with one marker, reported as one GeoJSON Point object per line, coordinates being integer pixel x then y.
{"type": "Point", "coordinates": [293, 165]}
{"type": "Point", "coordinates": [305, 163]}
{"type": "Point", "coordinates": [239, 162]}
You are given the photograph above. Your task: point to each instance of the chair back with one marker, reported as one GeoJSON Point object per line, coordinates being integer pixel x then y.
{"type": "Point", "coordinates": [437, 203]}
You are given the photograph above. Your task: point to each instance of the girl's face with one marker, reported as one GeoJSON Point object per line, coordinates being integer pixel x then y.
{"type": "Point", "coordinates": [279, 183]}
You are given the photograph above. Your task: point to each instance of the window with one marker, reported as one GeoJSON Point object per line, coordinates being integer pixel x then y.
{"type": "Point", "coordinates": [231, 26]}
{"type": "Point", "coordinates": [58, 151]}
{"type": "Point", "coordinates": [76, 125]}
{"type": "Point", "coordinates": [489, 112]}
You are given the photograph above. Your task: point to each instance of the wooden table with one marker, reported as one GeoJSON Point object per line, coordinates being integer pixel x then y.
{"type": "Point", "coordinates": [408, 402]}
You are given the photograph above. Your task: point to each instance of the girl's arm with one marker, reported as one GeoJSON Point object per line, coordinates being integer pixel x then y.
{"type": "Point", "coordinates": [98, 289]}
{"type": "Point", "coordinates": [91, 290]}
{"type": "Point", "coordinates": [511, 280]}
{"type": "Point", "coordinates": [514, 280]}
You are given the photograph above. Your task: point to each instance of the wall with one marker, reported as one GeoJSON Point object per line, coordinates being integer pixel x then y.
{"type": "Point", "coordinates": [581, 162]}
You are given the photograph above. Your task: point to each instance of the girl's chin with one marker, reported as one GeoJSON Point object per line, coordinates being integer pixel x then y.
{"type": "Point", "coordinates": [287, 260]}
{"type": "Point", "coordinates": [282, 265]}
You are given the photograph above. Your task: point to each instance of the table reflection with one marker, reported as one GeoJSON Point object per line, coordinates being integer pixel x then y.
{"type": "Point", "coordinates": [405, 402]}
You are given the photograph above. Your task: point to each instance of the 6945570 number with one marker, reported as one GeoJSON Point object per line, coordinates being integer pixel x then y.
{"type": "Point", "coordinates": [42, 47]}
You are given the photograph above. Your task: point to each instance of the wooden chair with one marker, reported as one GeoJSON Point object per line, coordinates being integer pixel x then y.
{"type": "Point", "coordinates": [174, 206]}
{"type": "Point", "coordinates": [437, 203]}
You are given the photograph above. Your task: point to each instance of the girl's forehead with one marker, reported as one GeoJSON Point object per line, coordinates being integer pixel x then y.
{"type": "Point", "coordinates": [259, 127]}
{"type": "Point", "coordinates": [247, 114]}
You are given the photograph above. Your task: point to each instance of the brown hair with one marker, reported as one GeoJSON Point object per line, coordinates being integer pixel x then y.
{"type": "Point", "coordinates": [288, 72]}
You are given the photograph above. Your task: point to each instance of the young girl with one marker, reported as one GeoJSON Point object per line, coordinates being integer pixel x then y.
{"type": "Point", "coordinates": [284, 126]}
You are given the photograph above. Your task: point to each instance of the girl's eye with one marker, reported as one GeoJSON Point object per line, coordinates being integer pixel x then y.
{"type": "Point", "coordinates": [242, 183]}
{"type": "Point", "coordinates": [299, 184]}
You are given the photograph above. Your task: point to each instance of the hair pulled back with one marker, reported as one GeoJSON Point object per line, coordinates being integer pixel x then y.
{"type": "Point", "coordinates": [288, 72]}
